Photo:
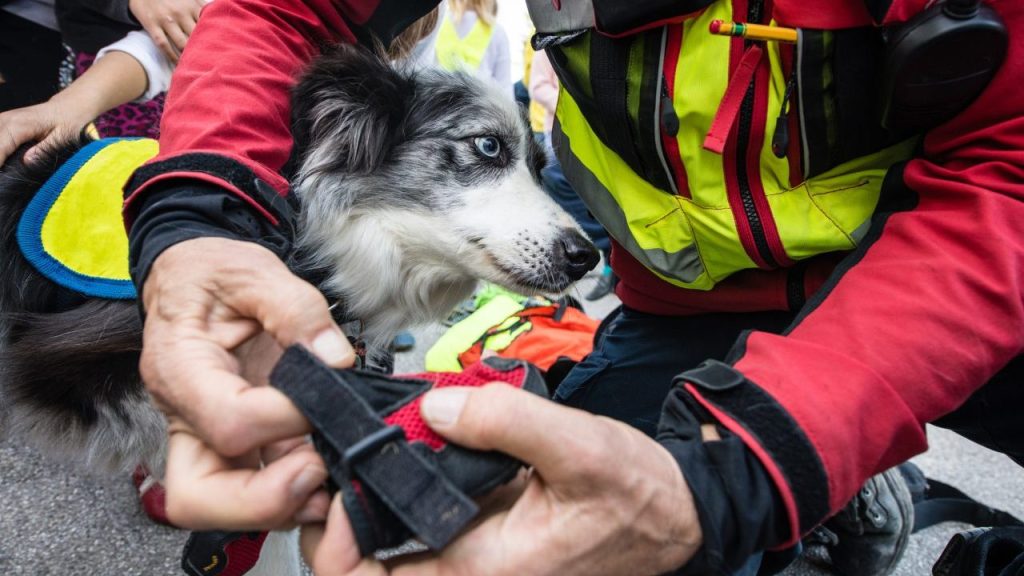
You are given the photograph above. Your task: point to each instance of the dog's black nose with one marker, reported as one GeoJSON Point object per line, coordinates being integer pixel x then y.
{"type": "Point", "coordinates": [578, 255]}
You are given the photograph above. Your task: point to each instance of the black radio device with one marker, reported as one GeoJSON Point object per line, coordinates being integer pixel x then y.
{"type": "Point", "coordinates": [938, 63]}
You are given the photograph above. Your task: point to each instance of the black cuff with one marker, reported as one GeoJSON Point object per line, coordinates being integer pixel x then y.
{"type": "Point", "coordinates": [739, 509]}
{"type": "Point", "coordinates": [771, 429]}
{"type": "Point", "coordinates": [180, 210]}
{"type": "Point", "coordinates": [230, 171]}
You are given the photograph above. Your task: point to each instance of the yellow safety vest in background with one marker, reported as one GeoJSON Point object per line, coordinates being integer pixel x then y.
{"type": "Point", "coordinates": [537, 112]}
{"type": "Point", "coordinates": [454, 53]}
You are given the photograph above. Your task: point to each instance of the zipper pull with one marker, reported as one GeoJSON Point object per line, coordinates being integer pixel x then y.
{"type": "Point", "coordinates": [780, 138]}
{"type": "Point", "coordinates": [669, 118]}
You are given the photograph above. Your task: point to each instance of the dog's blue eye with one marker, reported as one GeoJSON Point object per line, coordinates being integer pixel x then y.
{"type": "Point", "coordinates": [488, 146]}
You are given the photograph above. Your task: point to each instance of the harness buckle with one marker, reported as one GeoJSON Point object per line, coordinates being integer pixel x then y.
{"type": "Point", "coordinates": [375, 443]}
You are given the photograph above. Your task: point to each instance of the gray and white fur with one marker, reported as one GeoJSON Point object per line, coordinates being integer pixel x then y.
{"type": "Point", "coordinates": [413, 185]}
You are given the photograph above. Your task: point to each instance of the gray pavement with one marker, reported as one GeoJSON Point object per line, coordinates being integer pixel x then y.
{"type": "Point", "coordinates": [54, 521]}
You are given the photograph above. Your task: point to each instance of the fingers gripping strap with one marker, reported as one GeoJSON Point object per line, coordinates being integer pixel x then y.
{"type": "Point", "coordinates": [357, 444]}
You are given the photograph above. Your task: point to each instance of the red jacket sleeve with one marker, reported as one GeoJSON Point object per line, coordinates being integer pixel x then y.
{"type": "Point", "coordinates": [916, 320]}
{"type": "Point", "coordinates": [226, 119]}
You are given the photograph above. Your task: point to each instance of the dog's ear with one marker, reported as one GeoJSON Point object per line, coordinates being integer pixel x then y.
{"type": "Point", "coordinates": [348, 111]}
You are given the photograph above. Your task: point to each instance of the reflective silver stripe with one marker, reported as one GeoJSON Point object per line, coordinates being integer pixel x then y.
{"type": "Point", "coordinates": [657, 113]}
{"type": "Point", "coordinates": [800, 101]}
{"type": "Point", "coordinates": [861, 231]}
{"type": "Point", "coordinates": [574, 15]}
{"type": "Point", "coordinates": [684, 265]}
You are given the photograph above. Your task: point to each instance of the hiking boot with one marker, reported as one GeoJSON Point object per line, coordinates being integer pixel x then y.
{"type": "Point", "coordinates": [605, 285]}
{"type": "Point", "coordinates": [868, 536]}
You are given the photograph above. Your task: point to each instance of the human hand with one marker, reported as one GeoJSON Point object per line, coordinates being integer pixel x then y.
{"type": "Point", "coordinates": [602, 498]}
{"type": "Point", "coordinates": [48, 123]}
{"type": "Point", "coordinates": [113, 80]}
{"type": "Point", "coordinates": [219, 313]}
{"type": "Point", "coordinates": [168, 22]}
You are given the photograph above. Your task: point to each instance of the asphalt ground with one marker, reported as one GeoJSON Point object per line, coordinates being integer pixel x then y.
{"type": "Point", "coordinates": [56, 521]}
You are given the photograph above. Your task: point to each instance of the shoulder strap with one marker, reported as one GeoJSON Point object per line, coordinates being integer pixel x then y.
{"type": "Point", "coordinates": [945, 503]}
{"type": "Point", "coordinates": [936, 502]}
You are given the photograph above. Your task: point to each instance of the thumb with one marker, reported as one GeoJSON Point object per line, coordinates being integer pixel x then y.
{"type": "Point", "coordinates": [249, 281]}
{"type": "Point", "coordinates": [519, 423]}
{"type": "Point", "coordinates": [331, 549]}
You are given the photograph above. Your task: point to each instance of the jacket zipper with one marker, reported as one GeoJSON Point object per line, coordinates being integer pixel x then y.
{"type": "Point", "coordinates": [754, 14]}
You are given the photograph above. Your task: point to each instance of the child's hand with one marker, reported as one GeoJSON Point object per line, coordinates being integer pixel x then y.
{"type": "Point", "coordinates": [46, 122]}
{"type": "Point", "coordinates": [168, 22]}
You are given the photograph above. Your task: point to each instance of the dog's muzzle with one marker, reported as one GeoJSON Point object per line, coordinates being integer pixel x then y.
{"type": "Point", "coordinates": [574, 254]}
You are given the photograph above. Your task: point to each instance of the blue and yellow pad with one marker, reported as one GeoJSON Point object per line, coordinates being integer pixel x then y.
{"type": "Point", "coordinates": [72, 231]}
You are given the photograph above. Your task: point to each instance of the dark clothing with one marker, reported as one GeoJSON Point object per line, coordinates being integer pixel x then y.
{"type": "Point", "coordinates": [114, 10]}
{"type": "Point", "coordinates": [636, 356]}
{"type": "Point", "coordinates": [89, 25]}
{"type": "Point", "coordinates": [30, 57]}
{"type": "Point", "coordinates": [992, 415]}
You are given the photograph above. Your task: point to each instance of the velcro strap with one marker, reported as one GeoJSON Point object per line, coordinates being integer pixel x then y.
{"type": "Point", "coordinates": [222, 171]}
{"type": "Point", "coordinates": [357, 444]}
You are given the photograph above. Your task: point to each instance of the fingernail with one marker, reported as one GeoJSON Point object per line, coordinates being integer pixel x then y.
{"type": "Point", "coordinates": [311, 478]}
{"type": "Point", "coordinates": [332, 347]}
{"type": "Point", "coordinates": [442, 407]}
{"type": "Point", "coordinates": [311, 513]}
{"type": "Point", "coordinates": [309, 517]}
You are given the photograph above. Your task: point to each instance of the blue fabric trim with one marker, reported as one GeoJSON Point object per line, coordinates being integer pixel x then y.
{"type": "Point", "coordinates": [30, 232]}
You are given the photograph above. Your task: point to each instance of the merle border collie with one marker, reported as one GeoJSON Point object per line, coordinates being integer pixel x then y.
{"type": "Point", "coordinates": [413, 185]}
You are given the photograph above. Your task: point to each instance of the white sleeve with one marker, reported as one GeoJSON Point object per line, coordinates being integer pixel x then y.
{"type": "Point", "coordinates": [501, 70]}
{"type": "Point", "coordinates": [140, 46]}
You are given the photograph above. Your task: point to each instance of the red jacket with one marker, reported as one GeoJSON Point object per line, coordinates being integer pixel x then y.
{"type": "Point", "coordinates": [904, 332]}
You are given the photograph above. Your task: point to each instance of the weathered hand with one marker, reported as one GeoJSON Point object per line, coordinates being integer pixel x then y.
{"type": "Point", "coordinates": [168, 22]}
{"type": "Point", "coordinates": [47, 123]}
{"type": "Point", "coordinates": [219, 313]}
{"type": "Point", "coordinates": [113, 80]}
{"type": "Point", "coordinates": [602, 498]}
